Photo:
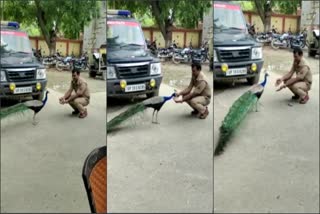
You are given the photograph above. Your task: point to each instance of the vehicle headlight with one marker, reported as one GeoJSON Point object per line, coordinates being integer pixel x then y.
{"type": "Point", "coordinates": [111, 72]}
{"type": "Point", "coordinates": [3, 77]}
{"type": "Point", "coordinates": [155, 69]}
{"type": "Point", "coordinates": [41, 73]}
{"type": "Point", "coordinates": [256, 53]}
{"type": "Point", "coordinates": [215, 56]}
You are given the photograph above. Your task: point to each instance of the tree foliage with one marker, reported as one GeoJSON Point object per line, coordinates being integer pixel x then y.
{"type": "Point", "coordinates": [52, 17]}
{"type": "Point", "coordinates": [185, 12]}
{"type": "Point", "coordinates": [286, 7]}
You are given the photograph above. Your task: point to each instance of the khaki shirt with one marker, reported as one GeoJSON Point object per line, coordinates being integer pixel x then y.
{"type": "Point", "coordinates": [81, 87]}
{"type": "Point", "coordinates": [200, 85]}
{"type": "Point", "coordinates": [302, 71]}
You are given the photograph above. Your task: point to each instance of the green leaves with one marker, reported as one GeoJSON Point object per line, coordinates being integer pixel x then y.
{"type": "Point", "coordinates": [70, 16]}
{"type": "Point", "coordinates": [287, 7]}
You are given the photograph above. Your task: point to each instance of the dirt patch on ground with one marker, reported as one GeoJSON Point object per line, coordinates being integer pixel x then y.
{"type": "Point", "coordinates": [60, 81]}
{"type": "Point", "coordinates": [280, 61]}
{"type": "Point", "coordinates": [178, 76]}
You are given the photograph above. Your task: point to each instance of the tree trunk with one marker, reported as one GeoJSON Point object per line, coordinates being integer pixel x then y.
{"type": "Point", "coordinates": [264, 11]}
{"type": "Point", "coordinates": [49, 37]}
{"type": "Point", "coordinates": [267, 22]}
{"type": "Point", "coordinates": [52, 48]}
{"type": "Point", "coordinates": [165, 27]}
{"type": "Point", "coordinates": [168, 36]}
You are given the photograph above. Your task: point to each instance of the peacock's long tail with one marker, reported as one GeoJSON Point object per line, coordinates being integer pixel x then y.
{"type": "Point", "coordinates": [12, 110]}
{"type": "Point", "coordinates": [236, 114]}
{"type": "Point", "coordinates": [124, 116]}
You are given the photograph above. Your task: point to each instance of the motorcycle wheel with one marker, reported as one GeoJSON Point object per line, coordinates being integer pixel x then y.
{"type": "Point", "coordinates": [174, 60]}
{"type": "Point", "coordinates": [258, 39]}
{"type": "Point", "coordinates": [203, 59]}
{"type": "Point", "coordinates": [273, 45]}
{"type": "Point", "coordinates": [59, 66]}
{"type": "Point", "coordinates": [70, 67]}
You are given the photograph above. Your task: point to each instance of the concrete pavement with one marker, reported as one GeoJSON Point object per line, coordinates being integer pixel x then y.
{"type": "Point", "coordinates": [41, 165]}
{"type": "Point", "coordinates": [161, 168]}
{"type": "Point", "coordinates": [272, 162]}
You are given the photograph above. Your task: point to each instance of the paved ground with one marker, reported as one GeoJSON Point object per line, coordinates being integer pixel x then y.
{"type": "Point", "coordinates": [41, 165]}
{"type": "Point", "coordinates": [272, 162]}
{"type": "Point", "coordinates": [161, 168]}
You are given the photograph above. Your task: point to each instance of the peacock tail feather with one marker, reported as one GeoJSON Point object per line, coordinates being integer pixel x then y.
{"type": "Point", "coordinates": [116, 121]}
{"type": "Point", "coordinates": [13, 110]}
{"type": "Point", "coordinates": [236, 114]}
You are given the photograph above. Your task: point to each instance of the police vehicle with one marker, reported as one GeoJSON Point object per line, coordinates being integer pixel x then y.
{"type": "Point", "coordinates": [22, 74]}
{"type": "Point", "coordinates": [131, 68]}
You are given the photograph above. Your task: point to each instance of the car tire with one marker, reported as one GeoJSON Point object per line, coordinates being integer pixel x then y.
{"type": "Point", "coordinates": [253, 80]}
{"type": "Point", "coordinates": [92, 74]}
{"type": "Point", "coordinates": [312, 53]}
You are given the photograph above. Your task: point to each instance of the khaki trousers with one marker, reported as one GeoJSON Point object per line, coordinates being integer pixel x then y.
{"type": "Point", "coordinates": [199, 103]}
{"type": "Point", "coordinates": [79, 103]}
{"type": "Point", "coordinates": [300, 88]}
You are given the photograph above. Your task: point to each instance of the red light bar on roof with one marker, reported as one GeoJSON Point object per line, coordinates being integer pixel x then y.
{"type": "Point", "coordinates": [227, 6]}
{"type": "Point", "coordinates": [123, 23]}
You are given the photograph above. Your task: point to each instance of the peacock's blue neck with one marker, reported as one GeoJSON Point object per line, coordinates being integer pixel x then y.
{"type": "Point", "coordinates": [168, 98]}
{"type": "Point", "coordinates": [264, 81]}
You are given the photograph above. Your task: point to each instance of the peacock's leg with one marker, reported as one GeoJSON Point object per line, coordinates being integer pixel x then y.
{"type": "Point", "coordinates": [257, 106]}
{"type": "Point", "coordinates": [157, 118]}
{"type": "Point", "coordinates": [34, 122]}
{"type": "Point", "coordinates": [153, 115]}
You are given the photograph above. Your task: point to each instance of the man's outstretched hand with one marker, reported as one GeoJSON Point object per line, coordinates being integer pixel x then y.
{"type": "Point", "coordinates": [178, 99]}
{"type": "Point", "coordinates": [281, 87]}
{"type": "Point", "coordinates": [278, 82]}
{"type": "Point", "coordinates": [62, 100]}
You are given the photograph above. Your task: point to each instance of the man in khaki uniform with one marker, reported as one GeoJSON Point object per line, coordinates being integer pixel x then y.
{"type": "Point", "coordinates": [301, 84]}
{"type": "Point", "coordinates": [80, 98]}
{"type": "Point", "coordinates": [198, 98]}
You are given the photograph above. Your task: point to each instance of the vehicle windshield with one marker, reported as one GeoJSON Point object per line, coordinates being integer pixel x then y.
{"type": "Point", "coordinates": [15, 42]}
{"type": "Point", "coordinates": [124, 34]}
{"type": "Point", "coordinates": [228, 17]}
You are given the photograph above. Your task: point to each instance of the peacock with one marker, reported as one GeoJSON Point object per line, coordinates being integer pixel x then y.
{"type": "Point", "coordinates": [238, 112]}
{"type": "Point", "coordinates": [155, 102]}
{"type": "Point", "coordinates": [34, 105]}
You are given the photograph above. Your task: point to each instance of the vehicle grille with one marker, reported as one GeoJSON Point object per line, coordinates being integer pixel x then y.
{"type": "Point", "coordinates": [234, 55]}
{"type": "Point", "coordinates": [19, 76]}
{"type": "Point", "coordinates": [133, 72]}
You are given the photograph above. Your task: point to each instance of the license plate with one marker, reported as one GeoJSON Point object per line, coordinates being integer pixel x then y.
{"type": "Point", "coordinates": [139, 87]}
{"type": "Point", "coordinates": [22, 90]}
{"type": "Point", "coordinates": [236, 71]}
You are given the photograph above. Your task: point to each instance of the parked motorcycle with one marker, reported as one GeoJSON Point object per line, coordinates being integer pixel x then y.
{"type": "Point", "coordinates": [282, 41]}
{"type": "Point", "coordinates": [167, 53]}
{"type": "Point", "coordinates": [37, 54]}
{"type": "Point", "coordinates": [205, 52]}
{"type": "Point", "coordinates": [51, 60]}
{"type": "Point", "coordinates": [297, 41]}
{"type": "Point", "coordinates": [251, 30]}
{"type": "Point", "coordinates": [152, 46]}
{"type": "Point", "coordinates": [65, 63]}
{"type": "Point", "coordinates": [82, 62]}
